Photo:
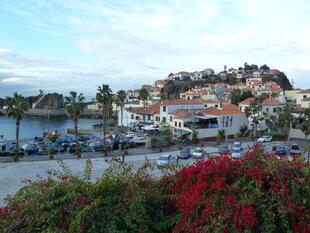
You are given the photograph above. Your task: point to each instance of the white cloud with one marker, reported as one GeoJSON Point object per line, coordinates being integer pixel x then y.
{"type": "Point", "coordinates": [141, 41]}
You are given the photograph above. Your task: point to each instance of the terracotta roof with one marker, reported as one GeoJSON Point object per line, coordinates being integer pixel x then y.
{"type": "Point", "coordinates": [219, 112]}
{"type": "Point", "coordinates": [210, 101]}
{"type": "Point", "coordinates": [306, 99]}
{"type": "Point", "coordinates": [305, 91]}
{"type": "Point", "coordinates": [271, 102]}
{"type": "Point", "coordinates": [153, 109]}
{"type": "Point", "coordinates": [239, 84]}
{"type": "Point", "coordinates": [230, 107]}
{"type": "Point", "coordinates": [182, 102]}
{"type": "Point", "coordinates": [247, 101]}
{"type": "Point", "coordinates": [248, 89]}
{"type": "Point", "coordinates": [184, 72]}
{"type": "Point", "coordinates": [183, 114]}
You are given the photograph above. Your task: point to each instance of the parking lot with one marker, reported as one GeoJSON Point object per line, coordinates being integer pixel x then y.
{"type": "Point", "coordinates": [13, 173]}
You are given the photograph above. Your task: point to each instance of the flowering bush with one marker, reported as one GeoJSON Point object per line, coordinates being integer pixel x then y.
{"type": "Point", "coordinates": [258, 193]}
{"type": "Point", "coordinates": [121, 201]}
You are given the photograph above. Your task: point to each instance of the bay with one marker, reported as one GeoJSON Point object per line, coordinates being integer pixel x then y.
{"type": "Point", "coordinates": [32, 126]}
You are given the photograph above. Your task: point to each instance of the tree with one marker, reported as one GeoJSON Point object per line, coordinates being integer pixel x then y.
{"type": "Point", "coordinates": [243, 130]}
{"type": "Point", "coordinates": [264, 67]}
{"type": "Point", "coordinates": [245, 95]}
{"type": "Point", "coordinates": [235, 96]}
{"type": "Point", "coordinates": [104, 99]}
{"type": "Point", "coordinates": [16, 107]}
{"type": "Point", "coordinates": [143, 95]}
{"type": "Point", "coordinates": [305, 127]}
{"type": "Point", "coordinates": [120, 101]}
{"type": "Point", "coordinates": [74, 106]}
{"type": "Point", "coordinates": [254, 111]}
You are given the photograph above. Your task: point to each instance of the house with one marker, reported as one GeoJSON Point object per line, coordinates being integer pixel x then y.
{"type": "Point", "coordinates": [196, 75]}
{"type": "Point", "coordinates": [252, 80]}
{"type": "Point", "coordinates": [239, 85]}
{"type": "Point", "coordinates": [291, 95]}
{"type": "Point", "coordinates": [183, 75]}
{"type": "Point", "coordinates": [240, 75]}
{"type": "Point", "coordinates": [256, 73]}
{"type": "Point", "coordinates": [269, 107]}
{"type": "Point", "coordinates": [133, 116]}
{"type": "Point", "coordinates": [160, 83]}
{"type": "Point", "coordinates": [168, 106]}
{"type": "Point", "coordinates": [305, 103]}
{"type": "Point", "coordinates": [207, 122]}
{"type": "Point", "coordinates": [208, 103]}
{"type": "Point", "coordinates": [208, 72]}
{"type": "Point", "coordinates": [132, 96]}
{"type": "Point", "coordinates": [304, 94]}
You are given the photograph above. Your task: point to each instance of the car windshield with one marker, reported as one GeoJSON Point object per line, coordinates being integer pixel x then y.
{"type": "Point", "coordinates": [197, 150]}
{"type": "Point", "coordinates": [237, 144]}
{"type": "Point", "coordinates": [186, 150]}
{"type": "Point", "coordinates": [236, 150]}
{"type": "Point", "coordinates": [163, 158]}
{"type": "Point", "coordinates": [295, 147]}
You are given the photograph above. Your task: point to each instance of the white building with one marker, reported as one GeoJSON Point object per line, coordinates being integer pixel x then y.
{"type": "Point", "coordinates": [302, 95]}
{"type": "Point", "coordinates": [207, 122]}
{"type": "Point", "coordinates": [269, 107]}
{"type": "Point", "coordinates": [196, 75]}
{"type": "Point", "coordinates": [256, 73]}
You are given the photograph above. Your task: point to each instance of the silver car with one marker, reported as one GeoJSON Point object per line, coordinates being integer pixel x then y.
{"type": "Point", "coordinates": [166, 159]}
{"type": "Point", "coordinates": [237, 152]}
{"type": "Point", "coordinates": [198, 153]}
{"type": "Point", "coordinates": [294, 149]}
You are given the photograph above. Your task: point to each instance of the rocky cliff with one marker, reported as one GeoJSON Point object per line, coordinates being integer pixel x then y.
{"type": "Point", "coordinates": [49, 101]}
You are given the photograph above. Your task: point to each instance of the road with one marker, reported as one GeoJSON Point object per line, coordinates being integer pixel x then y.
{"type": "Point", "coordinates": [12, 174]}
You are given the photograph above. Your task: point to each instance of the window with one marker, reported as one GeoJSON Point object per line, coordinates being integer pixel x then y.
{"type": "Point", "coordinates": [137, 117]}
{"type": "Point", "coordinates": [170, 118]}
{"type": "Point", "coordinates": [206, 105]}
{"type": "Point", "coordinates": [216, 105]}
{"type": "Point", "coordinates": [274, 109]}
{"type": "Point", "coordinates": [188, 98]}
{"type": "Point", "coordinates": [157, 118]}
{"type": "Point", "coordinates": [132, 116]}
{"type": "Point", "coordinates": [175, 124]}
{"type": "Point", "coordinates": [304, 97]}
{"type": "Point", "coordinates": [164, 119]}
{"type": "Point", "coordinates": [267, 109]}
{"type": "Point", "coordinates": [240, 109]}
{"type": "Point", "coordinates": [149, 117]}
{"type": "Point", "coordinates": [180, 124]}
{"type": "Point", "coordinates": [164, 108]}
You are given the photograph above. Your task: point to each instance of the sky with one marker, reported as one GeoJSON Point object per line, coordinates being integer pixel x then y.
{"type": "Point", "coordinates": [65, 45]}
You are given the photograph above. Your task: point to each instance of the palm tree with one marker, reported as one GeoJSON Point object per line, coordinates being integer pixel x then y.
{"type": "Point", "coordinates": [143, 95]}
{"type": "Point", "coordinates": [74, 106]}
{"type": "Point", "coordinates": [16, 107]}
{"type": "Point", "coordinates": [305, 127]}
{"type": "Point", "coordinates": [120, 101]}
{"type": "Point", "coordinates": [104, 99]}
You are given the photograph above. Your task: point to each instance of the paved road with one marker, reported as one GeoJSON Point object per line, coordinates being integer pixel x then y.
{"type": "Point", "coordinates": [13, 173]}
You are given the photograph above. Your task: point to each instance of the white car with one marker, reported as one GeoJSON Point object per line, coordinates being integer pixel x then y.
{"type": "Point", "coordinates": [198, 153]}
{"type": "Point", "coordinates": [294, 149]}
{"type": "Point", "coordinates": [265, 139]}
{"type": "Point", "coordinates": [237, 152]}
{"type": "Point", "coordinates": [166, 159]}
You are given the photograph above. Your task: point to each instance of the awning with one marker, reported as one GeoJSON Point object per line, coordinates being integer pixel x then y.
{"type": "Point", "coordinates": [192, 120]}
{"type": "Point", "coordinates": [206, 117]}
{"type": "Point", "coordinates": [181, 133]}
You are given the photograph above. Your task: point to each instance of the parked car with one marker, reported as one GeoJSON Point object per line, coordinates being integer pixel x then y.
{"type": "Point", "coordinates": [294, 149]}
{"type": "Point", "coordinates": [30, 149]}
{"type": "Point", "coordinates": [265, 139]}
{"type": "Point", "coordinates": [130, 135]}
{"type": "Point", "coordinates": [198, 153]}
{"type": "Point", "coordinates": [166, 159]}
{"type": "Point", "coordinates": [185, 153]}
{"type": "Point", "coordinates": [223, 149]}
{"type": "Point", "coordinates": [280, 150]}
{"type": "Point", "coordinates": [237, 152]}
{"type": "Point", "coordinates": [237, 144]}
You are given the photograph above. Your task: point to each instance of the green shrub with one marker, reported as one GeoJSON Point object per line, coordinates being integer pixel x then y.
{"type": "Point", "coordinates": [276, 136]}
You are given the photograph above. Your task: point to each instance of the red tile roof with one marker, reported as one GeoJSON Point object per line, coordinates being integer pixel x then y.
{"type": "Point", "coordinates": [247, 101]}
{"type": "Point", "coordinates": [153, 109]}
{"type": "Point", "coordinates": [305, 91]}
{"type": "Point", "coordinates": [239, 84]}
{"type": "Point", "coordinates": [271, 102]}
{"type": "Point", "coordinates": [230, 107]}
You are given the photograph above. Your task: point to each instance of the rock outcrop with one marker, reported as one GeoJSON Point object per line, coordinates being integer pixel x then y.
{"type": "Point", "coordinates": [49, 101]}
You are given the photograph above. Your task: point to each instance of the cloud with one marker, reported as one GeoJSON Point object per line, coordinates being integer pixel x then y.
{"type": "Point", "coordinates": [141, 41]}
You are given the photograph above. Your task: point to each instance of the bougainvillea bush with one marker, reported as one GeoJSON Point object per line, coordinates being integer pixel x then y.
{"type": "Point", "coordinates": [123, 200]}
{"type": "Point", "coordinates": [258, 193]}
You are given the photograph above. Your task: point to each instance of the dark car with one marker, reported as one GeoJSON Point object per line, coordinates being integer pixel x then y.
{"type": "Point", "coordinates": [280, 150]}
{"type": "Point", "coordinates": [72, 148]}
{"type": "Point", "coordinates": [185, 153]}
